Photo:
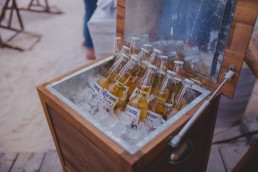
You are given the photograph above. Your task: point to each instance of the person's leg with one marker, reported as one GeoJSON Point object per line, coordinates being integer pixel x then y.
{"type": "Point", "coordinates": [90, 6]}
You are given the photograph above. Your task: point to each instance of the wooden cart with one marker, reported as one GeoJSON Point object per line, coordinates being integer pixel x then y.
{"type": "Point", "coordinates": [83, 147]}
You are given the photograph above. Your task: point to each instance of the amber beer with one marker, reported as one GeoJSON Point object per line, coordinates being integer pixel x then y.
{"type": "Point", "coordinates": [112, 73]}
{"type": "Point", "coordinates": [137, 107]}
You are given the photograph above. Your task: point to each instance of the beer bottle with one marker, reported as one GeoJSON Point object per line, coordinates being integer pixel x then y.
{"type": "Point", "coordinates": [154, 60]}
{"type": "Point", "coordinates": [116, 46]}
{"type": "Point", "coordinates": [160, 74]}
{"type": "Point", "coordinates": [137, 107]}
{"type": "Point", "coordinates": [156, 107]}
{"type": "Point", "coordinates": [175, 88]}
{"type": "Point", "coordinates": [121, 105]}
{"type": "Point", "coordinates": [172, 56]}
{"type": "Point", "coordinates": [111, 74]}
{"type": "Point", "coordinates": [180, 50]}
{"type": "Point", "coordinates": [149, 48]}
{"type": "Point", "coordinates": [184, 97]}
{"type": "Point", "coordinates": [133, 46]}
{"type": "Point", "coordinates": [178, 69]}
{"type": "Point", "coordinates": [120, 86]}
{"type": "Point", "coordinates": [125, 50]}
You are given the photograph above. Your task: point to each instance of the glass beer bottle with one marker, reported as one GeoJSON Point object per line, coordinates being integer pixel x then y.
{"type": "Point", "coordinates": [180, 50]}
{"type": "Point", "coordinates": [172, 56]}
{"type": "Point", "coordinates": [116, 46]}
{"type": "Point", "coordinates": [184, 97]}
{"type": "Point", "coordinates": [160, 74]}
{"type": "Point", "coordinates": [136, 109]}
{"type": "Point", "coordinates": [133, 46]}
{"type": "Point", "coordinates": [120, 86]}
{"type": "Point", "coordinates": [110, 76]}
{"type": "Point", "coordinates": [125, 50]}
{"type": "Point", "coordinates": [156, 107]}
{"type": "Point", "coordinates": [178, 69]}
{"type": "Point", "coordinates": [154, 60]}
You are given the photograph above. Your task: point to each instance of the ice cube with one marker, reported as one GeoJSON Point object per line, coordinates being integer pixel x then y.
{"type": "Point", "coordinates": [118, 129]}
{"type": "Point", "coordinates": [100, 114]}
{"type": "Point", "coordinates": [109, 121]}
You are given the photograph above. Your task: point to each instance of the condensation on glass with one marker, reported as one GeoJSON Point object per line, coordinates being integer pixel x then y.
{"type": "Point", "coordinates": [202, 25]}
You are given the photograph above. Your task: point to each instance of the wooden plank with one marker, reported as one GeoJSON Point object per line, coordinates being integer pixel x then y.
{"type": "Point", "coordinates": [7, 160]}
{"type": "Point", "coordinates": [227, 133]}
{"type": "Point", "coordinates": [28, 162]}
{"type": "Point", "coordinates": [232, 154]}
{"type": "Point", "coordinates": [249, 160]}
{"type": "Point", "coordinates": [51, 162]}
{"type": "Point", "coordinates": [215, 162]}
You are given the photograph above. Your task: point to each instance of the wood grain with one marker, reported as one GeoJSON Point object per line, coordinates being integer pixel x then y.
{"type": "Point", "coordinates": [7, 160]}
{"type": "Point", "coordinates": [28, 162]}
{"type": "Point", "coordinates": [215, 162]}
{"type": "Point", "coordinates": [51, 162]}
{"type": "Point", "coordinates": [232, 154]}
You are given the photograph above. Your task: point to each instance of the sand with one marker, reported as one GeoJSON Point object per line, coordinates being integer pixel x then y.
{"type": "Point", "coordinates": [23, 126]}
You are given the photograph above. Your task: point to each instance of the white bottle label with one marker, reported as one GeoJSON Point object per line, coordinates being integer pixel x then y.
{"type": "Point", "coordinates": [97, 88]}
{"type": "Point", "coordinates": [133, 114]}
{"type": "Point", "coordinates": [134, 93]}
{"type": "Point", "coordinates": [109, 99]}
{"type": "Point", "coordinates": [154, 120]}
{"type": "Point", "coordinates": [168, 106]}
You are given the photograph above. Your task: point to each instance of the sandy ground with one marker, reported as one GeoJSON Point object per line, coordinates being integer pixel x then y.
{"type": "Point", "coordinates": [23, 126]}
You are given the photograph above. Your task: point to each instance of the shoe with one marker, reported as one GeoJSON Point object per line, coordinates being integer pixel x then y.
{"type": "Point", "coordinates": [90, 54]}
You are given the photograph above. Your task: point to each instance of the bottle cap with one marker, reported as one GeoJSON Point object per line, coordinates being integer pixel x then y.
{"type": "Point", "coordinates": [134, 57]}
{"type": "Point", "coordinates": [188, 81]}
{"type": "Point", "coordinates": [179, 43]}
{"type": "Point", "coordinates": [179, 62]}
{"type": "Point", "coordinates": [152, 66]}
{"type": "Point", "coordinates": [163, 57]}
{"type": "Point", "coordinates": [124, 55]}
{"type": "Point", "coordinates": [147, 46]}
{"type": "Point", "coordinates": [157, 51]}
{"type": "Point", "coordinates": [188, 58]}
{"type": "Point", "coordinates": [144, 50]}
{"type": "Point", "coordinates": [135, 38]}
{"type": "Point", "coordinates": [171, 72]}
{"type": "Point", "coordinates": [195, 50]}
{"type": "Point", "coordinates": [172, 54]}
{"type": "Point", "coordinates": [178, 79]}
{"type": "Point", "coordinates": [116, 38]}
{"type": "Point", "coordinates": [125, 47]}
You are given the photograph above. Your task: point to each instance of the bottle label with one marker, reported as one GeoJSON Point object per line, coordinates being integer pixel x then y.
{"type": "Point", "coordinates": [97, 88]}
{"type": "Point", "coordinates": [168, 106]}
{"type": "Point", "coordinates": [133, 114]}
{"type": "Point", "coordinates": [154, 120]}
{"type": "Point", "coordinates": [109, 99]}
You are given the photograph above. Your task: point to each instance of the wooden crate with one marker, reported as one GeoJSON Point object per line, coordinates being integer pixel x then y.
{"type": "Point", "coordinates": [82, 147]}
